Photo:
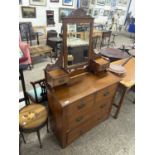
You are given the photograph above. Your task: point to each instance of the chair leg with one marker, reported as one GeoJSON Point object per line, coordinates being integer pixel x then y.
{"type": "Point", "coordinates": [23, 137]}
{"type": "Point", "coordinates": [38, 134]}
{"type": "Point", "coordinates": [47, 126]}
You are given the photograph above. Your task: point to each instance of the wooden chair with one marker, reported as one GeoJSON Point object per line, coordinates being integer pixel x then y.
{"type": "Point", "coordinates": [105, 39]}
{"type": "Point", "coordinates": [39, 93]}
{"type": "Point", "coordinates": [95, 41]}
{"type": "Point", "coordinates": [32, 118]}
{"type": "Point", "coordinates": [27, 32]}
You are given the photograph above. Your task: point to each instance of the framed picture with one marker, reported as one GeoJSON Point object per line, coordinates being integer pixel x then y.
{"type": "Point", "coordinates": [38, 2]}
{"type": "Point", "coordinates": [93, 2]}
{"type": "Point", "coordinates": [50, 17]}
{"type": "Point", "coordinates": [122, 2]}
{"type": "Point", "coordinates": [106, 12]}
{"type": "Point", "coordinates": [64, 12]}
{"type": "Point", "coordinates": [90, 12]}
{"type": "Point", "coordinates": [113, 3]}
{"type": "Point", "coordinates": [108, 2]}
{"type": "Point", "coordinates": [101, 12]}
{"type": "Point", "coordinates": [55, 1]}
{"type": "Point", "coordinates": [84, 3]}
{"type": "Point", "coordinates": [67, 2]}
{"type": "Point", "coordinates": [20, 2]}
{"type": "Point", "coordinates": [96, 12]}
{"type": "Point", "coordinates": [28, 12]}
{"type": "Point", "coordinates": [100, 2]}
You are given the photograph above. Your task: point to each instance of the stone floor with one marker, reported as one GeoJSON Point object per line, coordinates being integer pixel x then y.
{"type": "Point", "coordinates": [112, 137]}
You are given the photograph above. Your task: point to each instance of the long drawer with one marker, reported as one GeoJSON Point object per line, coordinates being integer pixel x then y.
{"type": "Point", "coordinates": [84, 127]}
{"type": "Point", "coordinates": [81, 105]}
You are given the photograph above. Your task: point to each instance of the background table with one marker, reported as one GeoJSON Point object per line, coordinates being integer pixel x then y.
{"type": "Point", "coordinates": [114, 54]}
{"type": "Point", "coordinates": [127, 81]}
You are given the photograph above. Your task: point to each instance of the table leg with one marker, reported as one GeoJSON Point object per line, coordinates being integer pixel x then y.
{"type": "Point", "coordinates": [120, 102]}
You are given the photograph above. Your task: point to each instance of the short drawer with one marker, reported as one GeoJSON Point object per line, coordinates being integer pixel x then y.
{"type": "Point", "coordinates": [81, 106]}
{"type": "Point", "coordinates": [106, 93]}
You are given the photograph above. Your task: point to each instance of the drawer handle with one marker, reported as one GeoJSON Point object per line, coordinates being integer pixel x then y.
{"type": "Point", "coordinates": [106, 93]}
{"type": "Point", "coordinates": [81, 105]}
{"type": "Point", "coordinates": [102, 106]}
{"type": "Point", "coordinates": [61, 81]}
{"type": "Point", "coordinates": [79, 119]}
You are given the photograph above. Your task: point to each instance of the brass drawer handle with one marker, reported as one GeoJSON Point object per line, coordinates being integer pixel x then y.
{"type": "Point", "coordinates": [103, 105]}
{"type": "Point", "coordinates": [79, 119]}
{"type": "Point", "coordinates": [61, 81]}
{"type": "Point", "coordinates": [81, 105]}
{"type": "Point", "coordinates": [106, 93]}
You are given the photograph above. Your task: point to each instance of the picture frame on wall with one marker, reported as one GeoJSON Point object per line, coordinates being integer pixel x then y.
{"type": "Point", "coordinates": [93, 2]}
{"type": "Point", "coordinates": [107, 2]}
{"type": "Point", "coordinates": [20, 2]}
{"type": "Point", "coordinates": [38, 2]}
{"type": "Point", "coordinates": [101, 12]}
{"type": "Point", "coordinates": [54, 1]}
{"type": "Point", "coordinates": [50, 17]}
{"type": "Point", "coordinates": [100, 2]}
{"type": "Point", "coordinates": [64, 12]}
{"type": "Point", "coordinates": [67, 2]}
{"type": "Point", "coordinates": [84, 3]}
{"type": "Point", "coordinates": [122, 2]}
{"type": "Point", "coordinates": [28, 12]}
{"type": "Point", "coordinates": [96, 12]}
{"type": "Point", "coordinates": [106, 13]}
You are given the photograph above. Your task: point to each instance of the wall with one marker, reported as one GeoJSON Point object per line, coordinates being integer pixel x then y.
{"type": "Point", "coordinates": [132, 8]}
{"type": "Point", "coordinates": [41, 13]}
{"type": "Point", "coordinates": [40, 19]}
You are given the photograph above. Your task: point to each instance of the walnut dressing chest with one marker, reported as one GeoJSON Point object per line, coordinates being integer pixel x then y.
{"type": "Point", "coordinates": [79, 107]}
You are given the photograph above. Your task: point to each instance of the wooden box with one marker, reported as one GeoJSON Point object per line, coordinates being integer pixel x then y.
{"type": "Point", "coordinates": [57, 76]}
{"type": "Point", "coordinates": [99, 65]}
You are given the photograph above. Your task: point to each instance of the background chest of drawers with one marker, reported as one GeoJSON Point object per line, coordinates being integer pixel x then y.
{"type": "Point", "coordinates": [78, 108]}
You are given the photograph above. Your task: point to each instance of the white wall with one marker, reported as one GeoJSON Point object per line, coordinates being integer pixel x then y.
{"type": "Point", "coordinates": [40, 19]}
{"type": "Point", "coordinates": [132, 8]}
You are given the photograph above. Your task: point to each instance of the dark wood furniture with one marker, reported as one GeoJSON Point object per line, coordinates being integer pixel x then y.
{"type": "Point", "coordinates": [22, 67]}
{"type": "Point", "coordinates": [40, 50]}
{"type": "Point", "coordinates": [114, 54]}
{"type": "Point", "coordinates": [105, 38]}
{"type": "Point", "coordinates": [32, 118]}
{"type": "Point", "coordinates": [54, 42]}
{"type": "Point", "coordinates": [27, 33]}
{"type": "Point", "coordinates": [127, 81]}
{"type": "Point", "coordinates": [39, 92]}
{"type": "Point", "coordinates": [87, 99]}
{"type": "Point", "coordinates": [79, 107]}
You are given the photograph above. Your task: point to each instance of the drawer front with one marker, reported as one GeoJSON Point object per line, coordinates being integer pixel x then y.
{"type": "Point", "coordinates": [87, 125]}
{"type": "Point", "coordinates": [78, 119]}
{"type": "Point", "coordinates": [106, 93]}
{"type": "Point", "coordinates": [60, 81]}
{"type": "Point", "coordinates": [102, 109]}
{"type": "Point", "coordinates": [80, 106]}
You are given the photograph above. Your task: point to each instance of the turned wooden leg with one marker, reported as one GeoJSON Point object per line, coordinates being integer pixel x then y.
{"type": "Point", "coordinates": [23, 137]}
{"type": "Point", "coordinates": [120, 102]}
{"type": "Point", "coordinates": [38, 134]}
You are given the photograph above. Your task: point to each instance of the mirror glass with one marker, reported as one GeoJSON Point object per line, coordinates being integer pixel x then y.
{"type": "Point", "coordinates": [77, 43]}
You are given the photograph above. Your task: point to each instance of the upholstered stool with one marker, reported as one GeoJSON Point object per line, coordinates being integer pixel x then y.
{"type": "Point", "coordinates": [32, 118]}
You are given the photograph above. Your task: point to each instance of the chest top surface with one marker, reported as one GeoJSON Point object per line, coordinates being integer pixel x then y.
{"type": "Point", "coordinates": [88, 85]}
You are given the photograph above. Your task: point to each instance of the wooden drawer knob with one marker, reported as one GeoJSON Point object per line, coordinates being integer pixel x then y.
{"type": "Point", "coordinates": [79, 119]}
{"type": "Point", "coordinates": [106, 93]}
{"type": "Point", "coordinates": [81, 105]}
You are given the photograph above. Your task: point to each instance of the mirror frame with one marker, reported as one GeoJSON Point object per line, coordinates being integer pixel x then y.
{"type": "Point", "coordinates": [77, 16]}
